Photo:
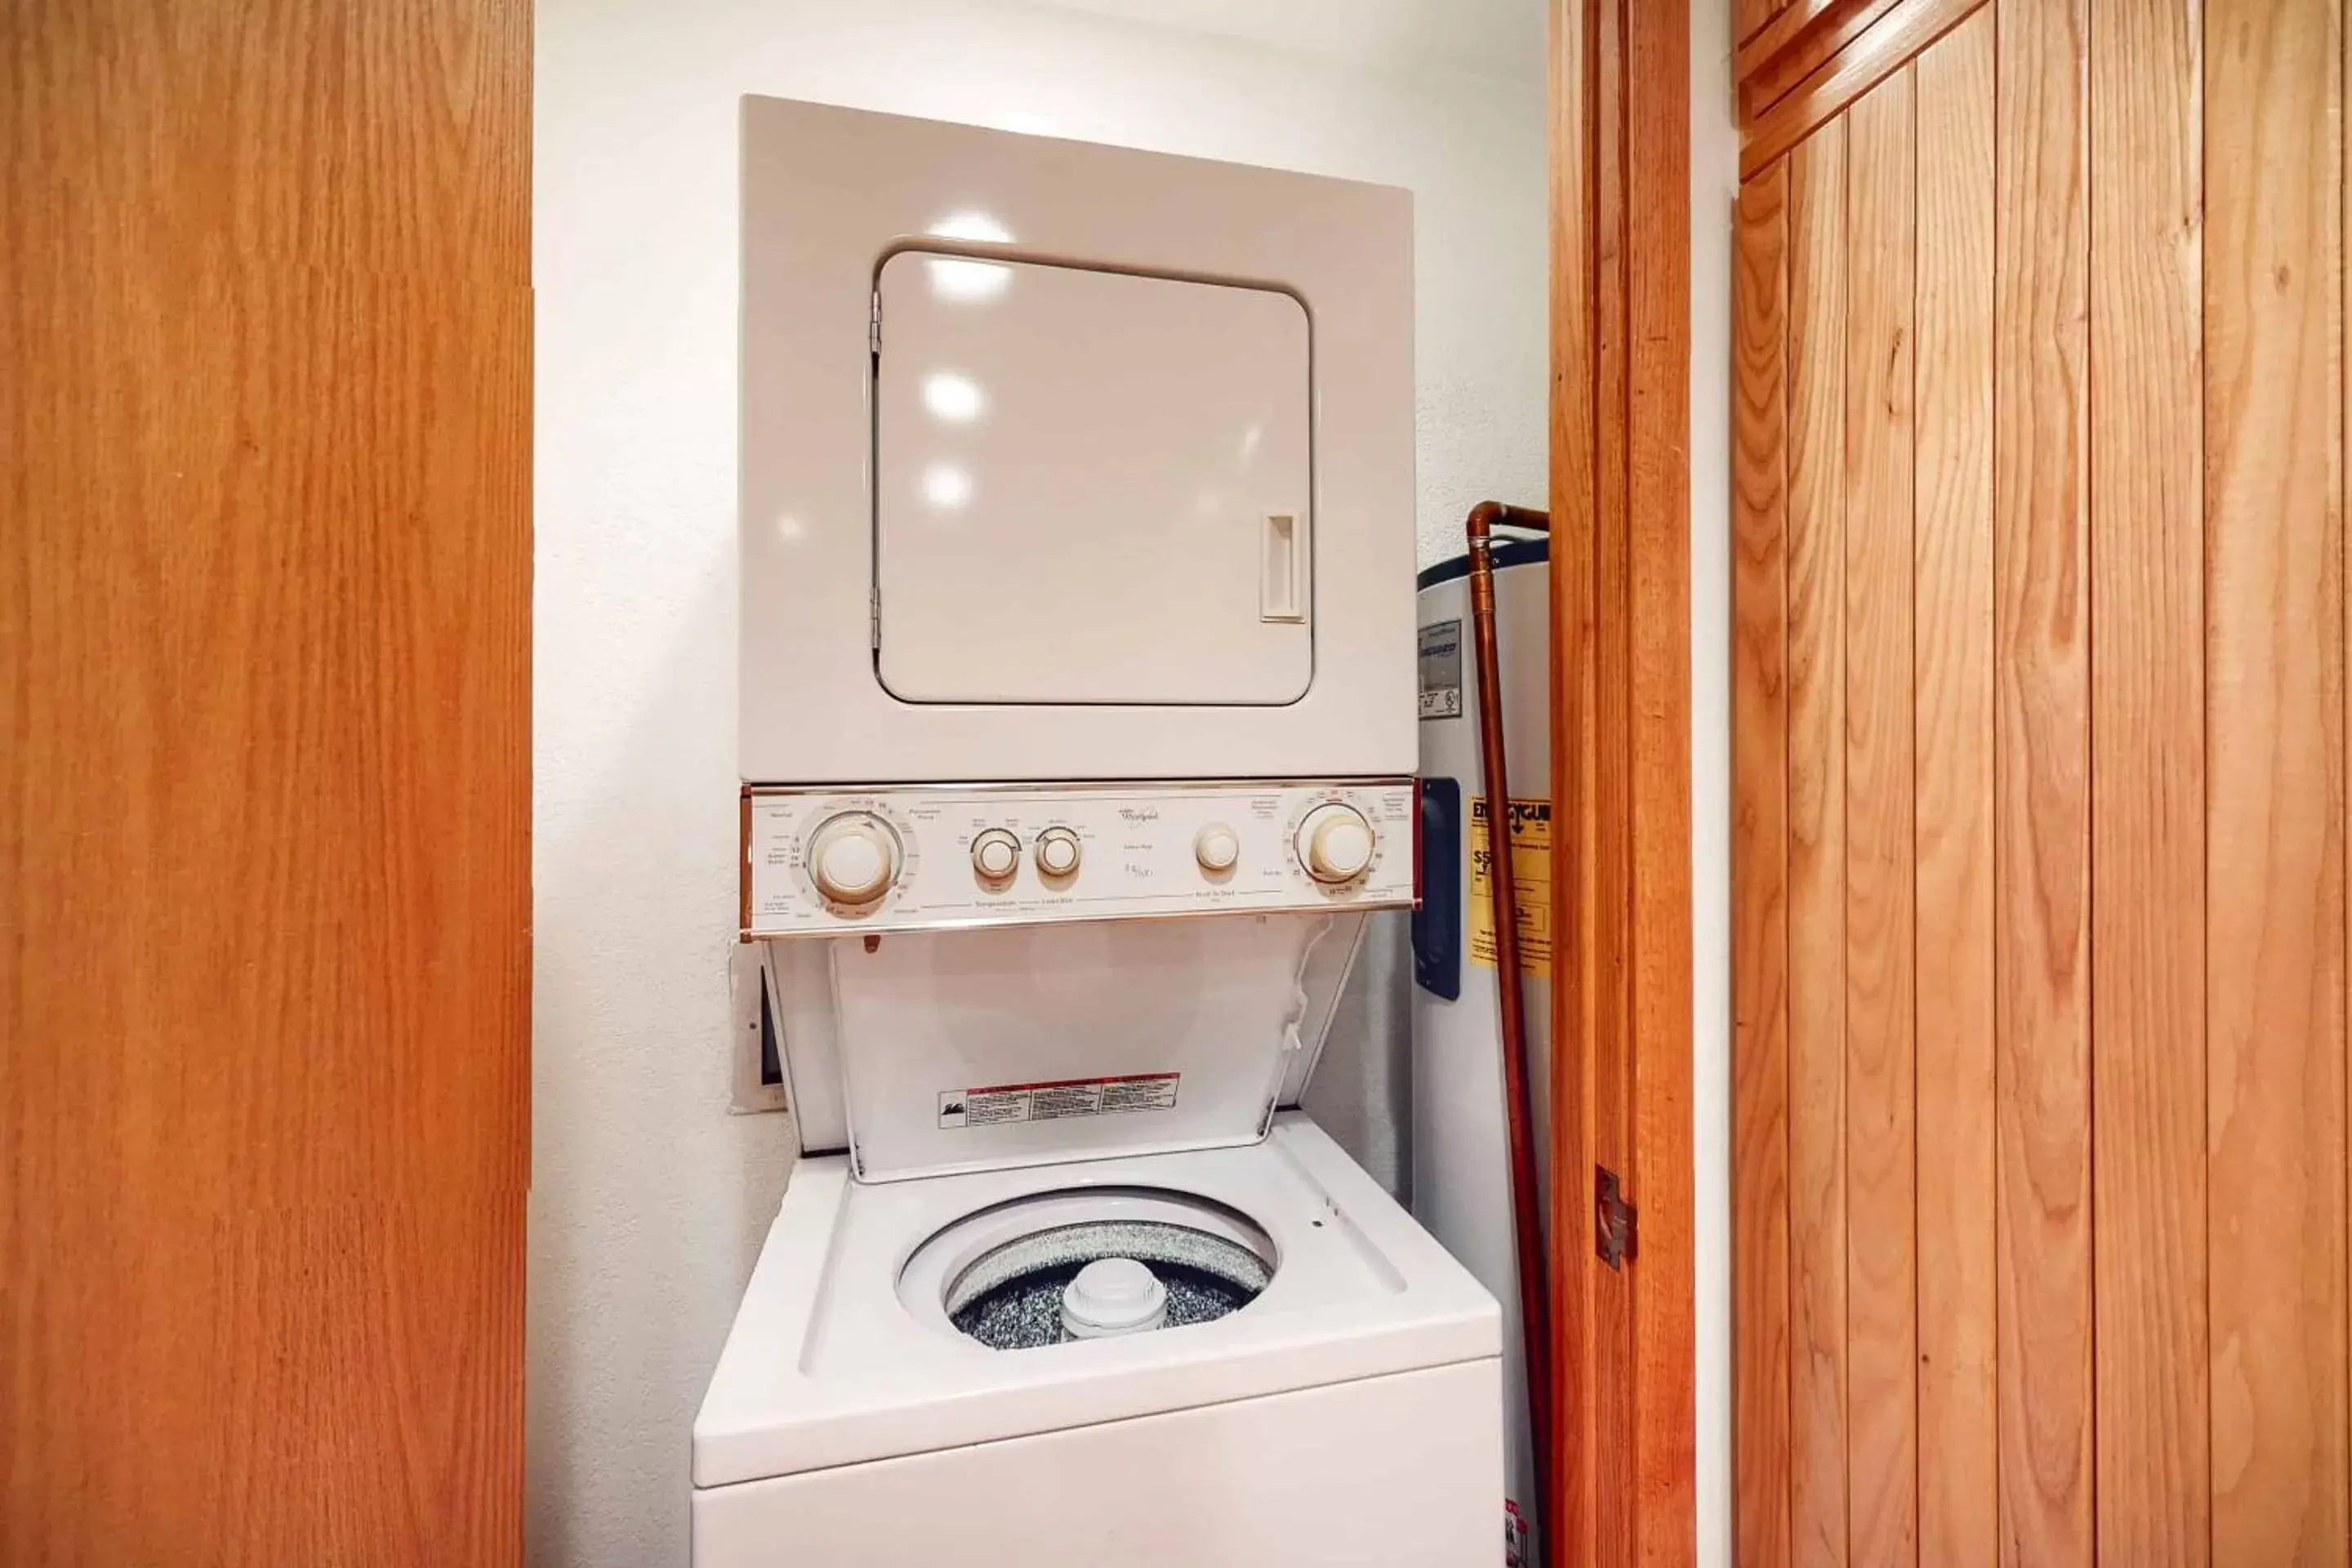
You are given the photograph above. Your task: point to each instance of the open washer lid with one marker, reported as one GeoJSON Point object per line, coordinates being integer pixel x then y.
{"type": "Point", "coordinates": [986, 1049]}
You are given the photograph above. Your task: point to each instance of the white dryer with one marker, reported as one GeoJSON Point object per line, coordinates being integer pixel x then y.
{"type": "Point", "coordinates": [1062, 462]}
{"type": "Point", "coordinates": [1078, 734]}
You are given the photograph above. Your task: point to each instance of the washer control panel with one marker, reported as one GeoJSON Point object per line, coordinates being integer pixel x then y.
{"type": "Point", "coordinates": [818, 862]}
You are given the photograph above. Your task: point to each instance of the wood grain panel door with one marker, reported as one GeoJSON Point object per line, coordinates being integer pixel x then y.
{"type": "Point", "coordinates": [265, 577]}
{"type": "Point", "coordinates": [2040, 761]}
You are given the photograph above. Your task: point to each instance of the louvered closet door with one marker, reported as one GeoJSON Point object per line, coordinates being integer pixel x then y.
{"type": "Point", "coordinates": [2040, 761]}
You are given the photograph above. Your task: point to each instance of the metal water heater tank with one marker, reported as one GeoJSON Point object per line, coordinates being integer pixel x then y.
{"type": "Point", "coordinates": [1460, 1172]}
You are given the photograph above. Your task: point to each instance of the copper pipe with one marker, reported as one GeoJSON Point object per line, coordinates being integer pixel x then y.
{"type": "Point", "coordinates": [1534, 1263]}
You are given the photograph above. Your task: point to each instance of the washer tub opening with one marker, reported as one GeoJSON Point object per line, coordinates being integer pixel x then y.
{"type": "Point", "coordinates": [1002, 1273]}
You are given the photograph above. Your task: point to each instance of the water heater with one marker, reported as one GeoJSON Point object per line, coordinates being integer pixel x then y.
{"type": "Point", "coordinates": [1460, 1172]}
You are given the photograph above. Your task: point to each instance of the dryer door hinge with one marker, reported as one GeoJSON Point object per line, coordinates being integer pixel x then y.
{"type": "Point", "coordinates": [1613, 1219]}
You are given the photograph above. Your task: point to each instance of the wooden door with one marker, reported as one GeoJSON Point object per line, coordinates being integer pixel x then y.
{"type": "Point", "coordinates": [2039, 761]}
{"type": "Point", "coordinates": [265, 577]}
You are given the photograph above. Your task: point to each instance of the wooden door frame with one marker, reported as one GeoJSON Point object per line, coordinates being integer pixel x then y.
{"type": "Point", "coordinates": [1622, 1488]}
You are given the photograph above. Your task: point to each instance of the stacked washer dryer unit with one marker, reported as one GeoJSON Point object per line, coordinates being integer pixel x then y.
{"type": "Point", "coordinates": [1078, 733]}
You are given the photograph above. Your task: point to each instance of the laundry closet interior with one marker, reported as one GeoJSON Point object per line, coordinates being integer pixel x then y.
{"type": "Point", "coordinates": [1173, 781]}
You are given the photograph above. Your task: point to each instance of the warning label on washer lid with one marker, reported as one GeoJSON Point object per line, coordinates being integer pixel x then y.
{"type": "Point", "coordinates": [999, 1103]}
{"type": "Point", "coordinates": [1441, 670]}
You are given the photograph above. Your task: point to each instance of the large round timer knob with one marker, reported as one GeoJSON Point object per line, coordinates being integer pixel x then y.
{"type": "Point", "coordinates": [854, 858]}
{"type": "Point", "coordinates": [1335, 843]}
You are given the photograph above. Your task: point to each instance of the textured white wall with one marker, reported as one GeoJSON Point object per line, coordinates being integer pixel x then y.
{"type": "Point", "coordinates": [1715, 182]}
{"type": "Point", "coordinates": [648, 1200]}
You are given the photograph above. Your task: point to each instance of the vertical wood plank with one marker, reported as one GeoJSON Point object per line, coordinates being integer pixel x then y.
{"type": "Point", "coordinates": [1581, 980]}
{"type": "Point", "coordinates": [1658, 529]}
{"type": "Point", "coordinates": [1817, 811]}
{"type": "Point", "coordinates": [1882, 1411]}
{"type": "Point", "coordinates": [1615, 1370]}
{"type": "Point", "coordinates": [2148, 783]}
{"type": "Point", "coordinates": [1953, 729]}
{"type": "Point", "coordinates": [2275, 931]}
{"type": "Point", "coordinates": [1567, 1518]}
{"type": "Point", "coordinates": [1759, 867]}
{"type": "Point", "coordinates": [2042, 835]}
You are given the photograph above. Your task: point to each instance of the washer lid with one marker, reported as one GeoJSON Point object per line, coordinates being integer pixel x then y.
{"type": "Point", "coordinates": [983, 1049]}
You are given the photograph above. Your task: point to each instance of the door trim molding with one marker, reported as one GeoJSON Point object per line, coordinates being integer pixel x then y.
{"type": "Point", "coordinates": [1623, 1485]}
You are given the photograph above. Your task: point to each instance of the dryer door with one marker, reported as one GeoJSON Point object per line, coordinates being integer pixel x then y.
{"type": "Point", "coordinates": [1090, 487]}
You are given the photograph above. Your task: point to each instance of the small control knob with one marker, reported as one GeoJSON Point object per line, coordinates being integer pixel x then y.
{"type": "Point", "coordinates": [854, 858]}
{"type": "Point", "coordinates": [1216, 848]}
{"type": "Point", "coordinates": [1335, 843]}
{"type": "Point", "coordinates": [994, 854]}
{"type": "Point", "coordinates": [1057, 851]}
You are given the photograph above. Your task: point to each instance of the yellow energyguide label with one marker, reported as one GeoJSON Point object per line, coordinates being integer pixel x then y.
{"type": "Point", "coordinates": [1531, 865]}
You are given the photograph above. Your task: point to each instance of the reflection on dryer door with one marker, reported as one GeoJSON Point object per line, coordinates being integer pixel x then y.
{"type": "Point", "coordinates": [1090, 487]}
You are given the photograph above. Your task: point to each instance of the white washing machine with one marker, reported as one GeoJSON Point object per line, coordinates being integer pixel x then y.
{"type": "Point", "coordinates": [1077, 735]}
{"type": "Point", "coordinates": [1346, 1416]}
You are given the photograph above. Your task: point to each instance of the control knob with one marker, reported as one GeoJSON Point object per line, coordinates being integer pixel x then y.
{"type": "Point", "coordinates": [1057, 851]}
{"type": "Point", "coordinates": [1335, 843]}
{"type": "Point", "coordinates": [1217, 849]}
{"type": "Point", "coordinates": [995, 852]}
{"type": "Point", "coordinates": [854, 858]}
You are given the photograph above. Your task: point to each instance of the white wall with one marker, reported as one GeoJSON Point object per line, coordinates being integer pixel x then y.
{"type": "Point", "coordinates": [648, 1200]}
{"type": "Point", "coordinates": [1715, 182]}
